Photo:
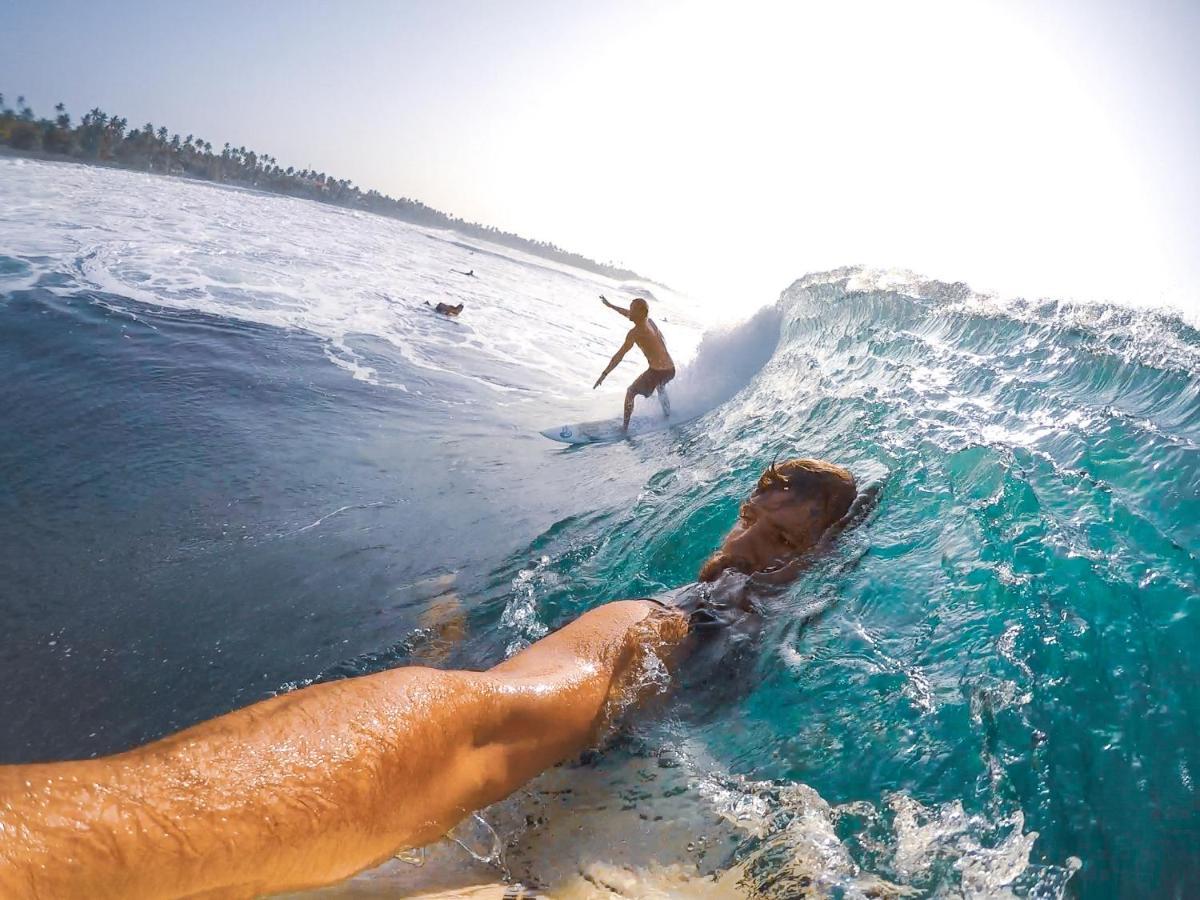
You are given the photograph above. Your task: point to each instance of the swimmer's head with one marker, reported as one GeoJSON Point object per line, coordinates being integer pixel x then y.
{"type": "Point", "coordinates": [792, 505]}
{"type": "Point", "coordinates": [639, 309]}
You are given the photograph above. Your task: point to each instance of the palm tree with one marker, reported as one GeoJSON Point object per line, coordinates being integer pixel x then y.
{"type": "Point", "coordinates": [99, 135]}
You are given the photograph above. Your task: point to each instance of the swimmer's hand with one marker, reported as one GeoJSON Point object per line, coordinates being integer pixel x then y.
{"type": "Point", "coordinates": [599, 381]}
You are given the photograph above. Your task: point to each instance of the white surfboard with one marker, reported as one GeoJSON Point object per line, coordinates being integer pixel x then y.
{"type": "Point", "coordinates": [610, 429]}
{"type": "Point", "coordinates": [604, 430]}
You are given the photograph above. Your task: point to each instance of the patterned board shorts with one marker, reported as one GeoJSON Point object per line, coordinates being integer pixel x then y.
{"type": "Point", "coordinates": [650, 380]}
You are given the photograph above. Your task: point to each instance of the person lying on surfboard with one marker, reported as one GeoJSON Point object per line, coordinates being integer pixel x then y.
{"type": "Point", "coordinates": [646, 335]}
{"type": "Point", "coordinates": [447, 310]}
{"type": "Point", "coordinates": [309, 787]}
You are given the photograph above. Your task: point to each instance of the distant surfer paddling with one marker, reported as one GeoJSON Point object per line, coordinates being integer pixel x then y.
{"type": "Point", "coordinates": [649, 339]}
{"type": "Point", "coordinates": [447, 310]}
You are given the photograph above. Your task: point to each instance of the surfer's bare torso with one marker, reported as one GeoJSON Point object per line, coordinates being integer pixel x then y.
{"type": "Point", "coordinates": [650, 341]}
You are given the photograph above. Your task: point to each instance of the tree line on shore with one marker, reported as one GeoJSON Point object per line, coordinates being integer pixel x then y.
{"type": "Point", "coordinates": [100, 138]}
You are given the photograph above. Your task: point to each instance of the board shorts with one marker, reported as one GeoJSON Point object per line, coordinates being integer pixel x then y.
{"type": "Point", "coordinates": [651, 380]}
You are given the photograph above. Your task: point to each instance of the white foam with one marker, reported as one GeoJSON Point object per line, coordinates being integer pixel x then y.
{"type": "Point", "coordinates": [726, 360]}
{"type": "Point", "coordinates": [341, 275]}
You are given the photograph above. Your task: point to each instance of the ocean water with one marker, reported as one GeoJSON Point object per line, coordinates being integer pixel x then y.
{"type": "Point", "coordinates": [238, 454]}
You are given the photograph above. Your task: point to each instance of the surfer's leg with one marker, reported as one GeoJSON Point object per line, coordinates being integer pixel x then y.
{"type": "Point", "coordinates": [664, 401]}
{"type": "Point", "coordinates": [644, 384]}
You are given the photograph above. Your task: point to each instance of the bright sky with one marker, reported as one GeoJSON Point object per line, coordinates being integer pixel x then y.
{"type": "Point", "coordinates": [1041, 148]}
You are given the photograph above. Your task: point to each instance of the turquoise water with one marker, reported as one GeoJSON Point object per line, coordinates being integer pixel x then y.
{"type": "Point", "coordinates": [1010, 636]}
{"type": "Point", "coordinates": [240, 456]}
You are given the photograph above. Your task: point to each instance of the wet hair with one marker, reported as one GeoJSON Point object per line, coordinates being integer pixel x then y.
{"type": "Point", "coordinates": [831, 486]}
{"type": "Point", "coordinates": [639, 306]}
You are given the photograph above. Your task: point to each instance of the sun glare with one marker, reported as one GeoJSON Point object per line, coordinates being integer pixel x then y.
{"type": "Point", "coordinates": [732, 152]}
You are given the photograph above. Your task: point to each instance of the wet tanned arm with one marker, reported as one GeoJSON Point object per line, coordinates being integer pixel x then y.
{"type": "Point", "coordinates": [615, 361]}
{"type": "Point", "coordinates": [308, 788]}
{"type": "Point", "coordinates": [615, 308]}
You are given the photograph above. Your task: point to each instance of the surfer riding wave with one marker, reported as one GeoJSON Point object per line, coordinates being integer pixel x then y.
{"type": "Point", "coordinates": [650, 341]}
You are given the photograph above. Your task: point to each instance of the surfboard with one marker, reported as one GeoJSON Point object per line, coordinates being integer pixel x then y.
{"type": "Point", "coordinates": [604, 430]}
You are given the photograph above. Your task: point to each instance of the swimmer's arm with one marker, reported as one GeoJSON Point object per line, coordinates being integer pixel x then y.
{"type": "Point", "coordinates": [617, 357]}
{"type": "Point", "coordinates": [297, 791]}
{"type": "Point", "coordinates": [308, 788]}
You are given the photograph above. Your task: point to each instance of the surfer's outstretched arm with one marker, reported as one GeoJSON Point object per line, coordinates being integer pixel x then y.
{"type": "Point", "coordinates": [310, 787]}
{"type": "Point", "coordinates": [615, 308]}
